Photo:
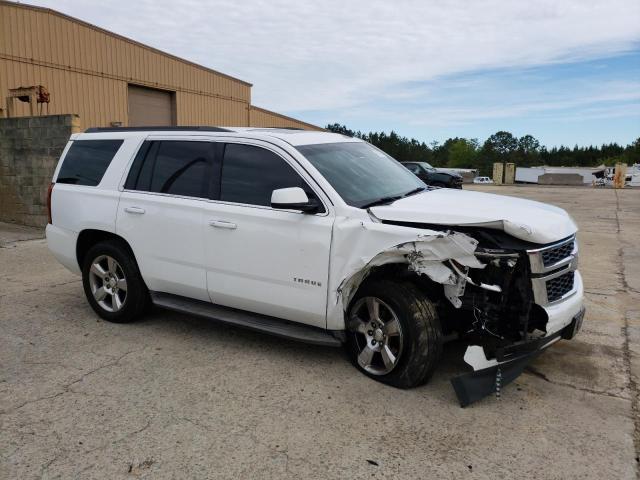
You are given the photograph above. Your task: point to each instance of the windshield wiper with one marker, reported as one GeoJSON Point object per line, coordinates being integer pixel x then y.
{"type": "Point", "coordinates": [391, 199]}
{"type": "Point", "coordinates": [382, 201]}
{"type": "Point", "coordinates": [414, 191]}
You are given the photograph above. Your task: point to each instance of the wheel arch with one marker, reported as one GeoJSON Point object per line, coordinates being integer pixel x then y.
{"type": "Point", "coordinates": [90, 237]}
{"type": "Point", "coordinates": [400, 272]}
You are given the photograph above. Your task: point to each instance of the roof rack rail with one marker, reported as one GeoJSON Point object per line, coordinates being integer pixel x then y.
{"type": "Point", "coordinates": [277, 128]}
{"type": "Point", "coordinates": [156, 129]}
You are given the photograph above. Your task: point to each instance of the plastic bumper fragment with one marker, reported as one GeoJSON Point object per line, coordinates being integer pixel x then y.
{"type": "Point", "coordinates": [511, 362]}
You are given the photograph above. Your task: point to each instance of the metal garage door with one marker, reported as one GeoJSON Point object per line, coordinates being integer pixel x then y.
{"type": "Point", "coordinates": [150, 107]}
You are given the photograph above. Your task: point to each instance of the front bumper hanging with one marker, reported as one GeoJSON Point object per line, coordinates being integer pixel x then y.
{"type": "Point", "coordinates": [510, 362]}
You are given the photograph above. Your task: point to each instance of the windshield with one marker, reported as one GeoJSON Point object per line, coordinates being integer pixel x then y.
{"type": "Point", "coordinates": [360, 173]}
{"type": "Point", "coordinates": [426, 166]}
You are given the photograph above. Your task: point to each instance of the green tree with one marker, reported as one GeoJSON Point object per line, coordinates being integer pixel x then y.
{"type": "Point", "coordinates": [462, 153]}
{"type": "Point", "coordinates": [632, 152]}
{"type": "Point", "coordinates": [400, 148]}
{"type": "Point", "coordinates": [342, 129]}
{"type": "Point", "coordinates": [528, 152]}
{"type": "Point", "coordinates": [501, 144]}
{"type": "Point", "coordinates": [499, 147]}
{"type": "Point", "coordinates": [528, 144]}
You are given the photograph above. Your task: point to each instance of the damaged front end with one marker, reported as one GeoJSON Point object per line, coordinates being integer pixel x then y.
{"type": "Point", "coordinates": [499, 294]}
{"type": "Point", "coordinates": [502, 314]}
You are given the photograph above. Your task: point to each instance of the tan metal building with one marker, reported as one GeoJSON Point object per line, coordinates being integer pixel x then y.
{"type": "Point", "coordinates": [110, 80]}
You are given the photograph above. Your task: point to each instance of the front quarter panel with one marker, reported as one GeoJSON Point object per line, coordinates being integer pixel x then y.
{"type": "Point", "coordinates": [359, 245]}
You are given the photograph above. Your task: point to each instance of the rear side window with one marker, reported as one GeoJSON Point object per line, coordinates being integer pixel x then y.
{"type": "Point", "coordinates": [174, 167]}
{"type": "Point", "coordinates": [87, 160]}
{"type": "Point", "coordinates": [250, 174]}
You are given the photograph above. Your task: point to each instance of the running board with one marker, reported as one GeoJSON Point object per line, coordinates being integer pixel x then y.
{"type": "Point", "coordinates": [240, 318]}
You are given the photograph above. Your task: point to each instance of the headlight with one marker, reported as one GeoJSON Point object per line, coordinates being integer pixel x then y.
{"type": "Point", "coordinates": [497, 256]}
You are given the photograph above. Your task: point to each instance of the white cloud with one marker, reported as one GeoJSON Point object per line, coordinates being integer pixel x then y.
{"type": "Point", "coordinates": [308, 55]}
{"type": "Point", "coordinates": [596, 100]}
{"type": "Point", "coordinates": [464, 102]}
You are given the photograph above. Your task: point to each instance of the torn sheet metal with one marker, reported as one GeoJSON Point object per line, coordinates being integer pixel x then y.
{"type": "Point", "coordinates": [424, 251]}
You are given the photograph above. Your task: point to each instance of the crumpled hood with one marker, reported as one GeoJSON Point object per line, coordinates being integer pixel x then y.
{"type": "Point", "coordinates": [524, 219]}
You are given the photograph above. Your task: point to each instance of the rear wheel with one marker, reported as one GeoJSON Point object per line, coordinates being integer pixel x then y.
{"type": "Point", "coordinates": [394, 334]}
{"type": "Point", "coordinates": [113, 284]}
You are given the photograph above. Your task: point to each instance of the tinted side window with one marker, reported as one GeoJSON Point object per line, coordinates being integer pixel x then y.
{"type": "Point", "coordinates": [412, 167]}
{"type": "Point", "coordinates": [174, 167]}
{"type": "Point", "coordinates": [250, 174]}
{"type": "Point", "coordinates": [87, 160]}
{"type": "Point", "coordinates": [133, 179]}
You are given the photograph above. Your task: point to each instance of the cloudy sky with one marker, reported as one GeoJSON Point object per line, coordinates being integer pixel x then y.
{"type": "Point", "coordinates": [565, 71]}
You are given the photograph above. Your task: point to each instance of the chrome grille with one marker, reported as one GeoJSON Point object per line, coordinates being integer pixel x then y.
{"type": "Point", "coordinates": [552, 271]}
{"type": "Point", "coordinates": [555, 255]}
{"type": "Point", "coordinates": [558, 287]}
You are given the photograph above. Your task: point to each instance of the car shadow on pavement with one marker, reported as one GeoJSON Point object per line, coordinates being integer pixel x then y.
{"type": "Point", "coordinates": [207, 330]}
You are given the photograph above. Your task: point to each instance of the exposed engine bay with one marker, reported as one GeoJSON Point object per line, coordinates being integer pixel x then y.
{"type": "Point", "coordinates": [497, 306]}
{"type": "Point", "coordinates": [493, 309]}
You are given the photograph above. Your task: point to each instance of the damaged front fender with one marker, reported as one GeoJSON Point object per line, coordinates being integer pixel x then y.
{"type": "Point", "coordinates": [425, 252]}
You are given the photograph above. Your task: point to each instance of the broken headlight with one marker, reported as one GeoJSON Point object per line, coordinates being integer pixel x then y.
{"type": "Point", "coordinates": [497, 257]}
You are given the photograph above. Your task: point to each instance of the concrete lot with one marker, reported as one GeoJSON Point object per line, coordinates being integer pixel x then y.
{"type": "Point", "coordinates": [179, 397]}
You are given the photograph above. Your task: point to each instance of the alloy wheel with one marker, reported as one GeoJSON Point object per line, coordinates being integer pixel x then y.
{"type": "Point", "coordinates": [108, 283]}
{"type": "Point", "coordinates": [378, 335]}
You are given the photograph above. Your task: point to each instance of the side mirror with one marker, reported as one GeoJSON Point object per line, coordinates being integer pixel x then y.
{"type": "Point", "coordinates": [293, 198]}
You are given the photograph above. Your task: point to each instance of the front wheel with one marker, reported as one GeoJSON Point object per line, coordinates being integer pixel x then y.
{"type": "Point", "coordinates": [393, 333]}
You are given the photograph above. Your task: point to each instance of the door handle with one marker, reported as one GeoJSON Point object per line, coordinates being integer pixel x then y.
{"type": "Point", "coordinates": [136, 210]}
{"type": "Point", "coordinates": [223, 224]}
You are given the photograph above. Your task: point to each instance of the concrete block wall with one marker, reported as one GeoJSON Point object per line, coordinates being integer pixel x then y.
{"type": "Point", "coordinates": [29, 151]}
{"type": "Point", "coordinates": [561, 179]}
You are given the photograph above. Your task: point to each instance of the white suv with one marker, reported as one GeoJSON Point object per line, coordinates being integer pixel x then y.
{"type": "Point", "coordinates": [482, 180]}
{"type": "Point", "coordinates": [318, 237]}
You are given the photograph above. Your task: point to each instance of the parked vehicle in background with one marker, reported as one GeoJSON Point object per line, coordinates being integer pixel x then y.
{"type": "Point", "coordinates": [631, 179]}
{"type": "Point", "coordinates": [317, 237]}
{"type": "Point", "coordinates": [484, 180]}
{"type": "Point", "coordinates": [432, 176]}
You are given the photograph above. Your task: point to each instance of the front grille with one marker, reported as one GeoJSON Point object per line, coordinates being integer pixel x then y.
{"type": "Point", "coordinates": [552, 271]}
{"type": "Point", "coordinates": [559, 286]}
{"type": "Point", "coordinates": [554, 255]}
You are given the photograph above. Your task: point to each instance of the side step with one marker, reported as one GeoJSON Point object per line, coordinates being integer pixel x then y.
{"type": "Point", "coordinates": [240, 318]}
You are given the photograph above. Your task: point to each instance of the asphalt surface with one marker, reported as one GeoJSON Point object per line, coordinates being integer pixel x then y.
{"type": "Point", "coordinates": [179, 397]}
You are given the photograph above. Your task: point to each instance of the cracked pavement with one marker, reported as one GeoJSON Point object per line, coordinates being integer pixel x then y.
{"type": "Point", "coordinates": [179, 397]}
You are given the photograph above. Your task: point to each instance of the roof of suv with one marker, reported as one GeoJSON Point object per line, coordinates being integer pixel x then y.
{"type": "Point", "coordinates": [294, 137]}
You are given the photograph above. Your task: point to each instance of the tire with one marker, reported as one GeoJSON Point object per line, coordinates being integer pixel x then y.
{"type": "Point", "coordinates": [113, 284]}
{"type": "Point", "coordinates": [416, 349]}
